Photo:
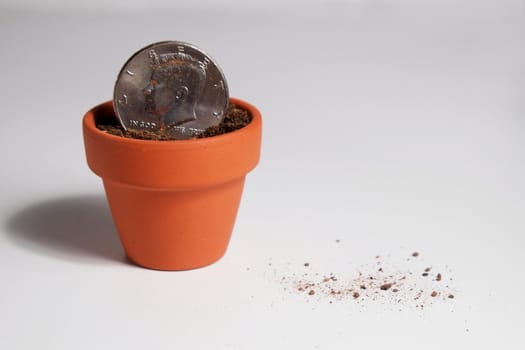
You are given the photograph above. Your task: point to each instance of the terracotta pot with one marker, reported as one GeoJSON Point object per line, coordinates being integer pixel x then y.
{"type": "Point", "coordinates": [174, 203]}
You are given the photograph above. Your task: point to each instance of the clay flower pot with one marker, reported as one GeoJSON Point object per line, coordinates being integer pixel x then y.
{"type": "Point", "coordinates": [174, 203]}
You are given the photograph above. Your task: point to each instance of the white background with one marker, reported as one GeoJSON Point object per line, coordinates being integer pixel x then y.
{"type": "Point", "coordinates": [391, 126]}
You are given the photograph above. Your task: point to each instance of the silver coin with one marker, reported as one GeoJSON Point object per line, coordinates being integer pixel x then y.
{"type": "Point", "coordinates": [170, 86]}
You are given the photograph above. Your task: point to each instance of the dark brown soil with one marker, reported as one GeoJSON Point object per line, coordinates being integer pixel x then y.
{"type": "Point", "coordinates": [235, 118]}
{"type": "Point", "coordinates": [386, 286]}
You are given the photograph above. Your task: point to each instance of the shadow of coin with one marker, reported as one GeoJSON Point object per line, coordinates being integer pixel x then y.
{"type": "Point", "coordinates": [77, 228]}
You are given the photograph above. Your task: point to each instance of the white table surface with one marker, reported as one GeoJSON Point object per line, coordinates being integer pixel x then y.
{"type": "Point", "coordinates": [391, 128]}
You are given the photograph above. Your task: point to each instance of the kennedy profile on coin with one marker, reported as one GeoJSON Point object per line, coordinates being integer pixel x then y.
{"type": "Point", "coordinates": [176, 82]}
{"type": "Point", "coordinates": [173, 87]}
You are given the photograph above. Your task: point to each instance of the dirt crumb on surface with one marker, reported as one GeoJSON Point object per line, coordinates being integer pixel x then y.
{"type": "Point", "coordinates": [386, 286]}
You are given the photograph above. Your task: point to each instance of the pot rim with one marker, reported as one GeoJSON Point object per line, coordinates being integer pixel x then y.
{"type": "Point", "coordinates": [157, 164]}
{"type": "Point", "coordinates": [91, 128]}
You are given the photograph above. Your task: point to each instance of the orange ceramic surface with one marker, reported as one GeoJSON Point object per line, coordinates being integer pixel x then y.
{"type": "Point", "coordinates": [174, 203]}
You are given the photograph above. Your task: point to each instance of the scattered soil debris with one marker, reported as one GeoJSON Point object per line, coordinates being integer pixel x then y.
{"type": "Point", "coordinates": [396, 284]}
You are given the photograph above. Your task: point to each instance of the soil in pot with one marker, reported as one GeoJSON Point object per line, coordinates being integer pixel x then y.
{"type": "Point", "coordinates": [236, 118]}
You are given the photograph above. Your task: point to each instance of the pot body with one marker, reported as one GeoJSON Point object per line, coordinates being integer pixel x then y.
{"type": "Point", "coordinates": [174, 203]}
